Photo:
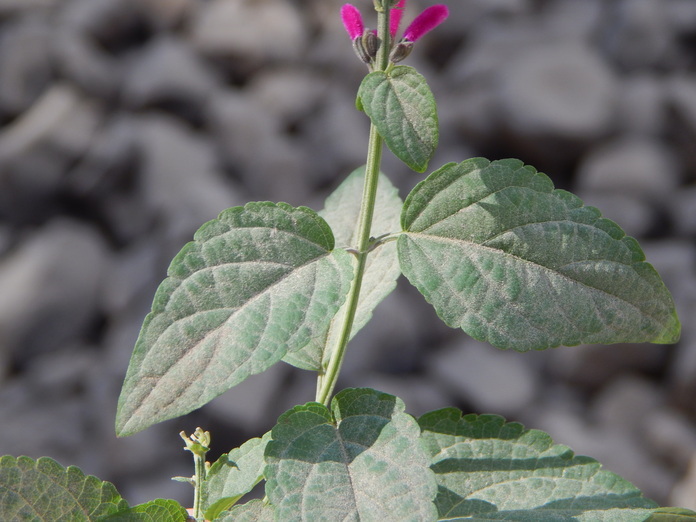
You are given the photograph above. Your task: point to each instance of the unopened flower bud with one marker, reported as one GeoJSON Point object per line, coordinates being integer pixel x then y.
{"type": "Point", "coordinates": [366, 46]}
{"type": "Point", "coordinates": [400, 51]}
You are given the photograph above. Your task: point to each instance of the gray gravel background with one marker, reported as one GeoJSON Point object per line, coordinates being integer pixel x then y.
{"type": "Point", "coordinates": [125, 124]}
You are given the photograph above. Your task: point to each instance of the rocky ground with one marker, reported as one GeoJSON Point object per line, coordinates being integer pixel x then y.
{"type": "Point", "coordinates": [125, 124]}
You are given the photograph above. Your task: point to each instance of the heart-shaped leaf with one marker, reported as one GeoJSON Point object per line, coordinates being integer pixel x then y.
{"type": "Point", "coordinates": [44, 490]}
{"type": "Point", "coordinates": [234, 475]}
{"type": "Point", "coordinates": [360, 461]}
{"type": "Point", "coordinates": [341, 212]}
{"type": "Point", "coordinates": [402, 107]}
{"type": "Point", "coordinates": [258, 282]}
{"type": "Point", "coordinates": [488, 469]}
{"type": "Point", "coordinates": [501, 254]}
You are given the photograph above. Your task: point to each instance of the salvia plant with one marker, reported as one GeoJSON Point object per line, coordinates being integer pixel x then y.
{"type": "Point", "coordinates": [491, 245]}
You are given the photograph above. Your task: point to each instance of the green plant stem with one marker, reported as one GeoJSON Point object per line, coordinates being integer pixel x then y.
{"type": "Point", "coordinates": [327, 382]}
{"type": "Point", "coordinates": [199, 482]}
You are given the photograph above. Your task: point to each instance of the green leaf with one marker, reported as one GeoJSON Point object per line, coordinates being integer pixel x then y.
{"type": "Point", "coordinates": [501, 254]}
{"type": "Point", "coordinates": [252, 511]}
{"type": "Point", "coordinates": [360, 461]}
{"type": "Point", "coordinates": [258, 282]}
{"type": "Point", "coordinates": [42, 489]}
{"type": "Point", "coordinates": [159, 510]}
{"type": "Point", "coordinates": [341, 212]}
{"type": "Point", "coordinates": [401, 106]}
{"type": "Point", "coordinates": [672, 514]}
{"type": "Point", "coordinates": [234, 475]}
{"type": "Point", "coordinates": [488, 469]}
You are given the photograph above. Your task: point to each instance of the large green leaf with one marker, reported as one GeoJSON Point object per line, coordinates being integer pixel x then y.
{"type": "Point", "coordinates": [234, 475]}
{"type": "Point", "coordinates": [258, 282]}
{"type": "Point", "coordinates": [510, 260]}
{"type": "Point", "coordinates": [43, 490]}
{"type": "Point", "coordinates": [360, 461]}
{"type": "Point", "coordinates": [401, 106]}
{"type": "Point", "coordinates": [341, 212]}
{"type": "Point", "coordinates": [488, 469]}
{"type": "Point", "coordinates": [159, 510]}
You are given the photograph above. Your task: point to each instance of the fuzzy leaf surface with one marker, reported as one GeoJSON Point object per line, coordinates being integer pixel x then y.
{"type": "Point", "coordinates": [360, 461]}
{"type": "Point", "coordinates": [256, 283]}
{"type": "Point", "coordinates": [159, 510]}
{"type": "Point", "coordinates": [488, 469]}
{"type": "Point", "coordinates": [402, 107]}
{"type": "Point", "coordinates": [234, 475]}
{"type": "Point", "coordinates": [341, 212]}
{"type": "Point", "coordinates": [44, 490]}
{"type": "Point", "coordinates": [501, 254]}
{"type": "Point", "coordinates": [252, 511]}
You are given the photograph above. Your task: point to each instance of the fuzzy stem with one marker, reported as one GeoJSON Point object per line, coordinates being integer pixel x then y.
{"type": "Point", "coordinates": [327, 382]}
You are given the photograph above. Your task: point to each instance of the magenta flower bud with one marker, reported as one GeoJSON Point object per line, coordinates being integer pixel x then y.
{"type": "Point", "coordinates": [395, 17]}
{"type": "Point", "coordinates": [352, 21]}
{"type": "Point", "coordinates": [425, 22]}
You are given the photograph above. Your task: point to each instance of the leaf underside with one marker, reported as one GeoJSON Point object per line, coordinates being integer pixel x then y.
{"type": "Point", "coordinates": [360, 461]}
{"type": "Point", "coordinates": [488, 469]}
{"type": "Point", "coordinates": [501, 254]}
{"type": "Point", "coordinates": [341, 212]}
{"type": "Point", "coordinates": [256, 283]}
{"type": "Point", "coordinates": [44, 490]}
{"type": "Point", "coordinates": [402, 108]}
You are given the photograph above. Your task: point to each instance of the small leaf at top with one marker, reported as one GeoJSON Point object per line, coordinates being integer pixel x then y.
{"type": "Point", "coordinates": [341, 212]}
{"type": "Point", "coordinates": [234, 475]}
{"type": "Point", "coordinates": [44, 490]}
{"type": "Point", "coordinates": [256, 283]}
{"type": "Point", "coordinates": [159, 510]}
{"type": "Point", "coordinates": [360, 461]}
{"type": "Point", "coordinates": [488, 469]}
{"type": "Point", "coordinates": [402, 107]}
{"type": "Point", "coordinates": [501, 254]}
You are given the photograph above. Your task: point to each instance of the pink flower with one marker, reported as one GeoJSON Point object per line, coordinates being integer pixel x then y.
{"type": "Point", "coordinates": [352, 21]}
{"type": "Point", "coordinates": [428, 20]}
{"type": "Point", "coordinates": [395, 17]}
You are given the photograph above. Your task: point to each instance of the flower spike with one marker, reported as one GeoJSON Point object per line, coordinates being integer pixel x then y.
{"type": "Point", "coordinates": [352, 21]}
{"type": "Point", "coordinates": [425, 22]}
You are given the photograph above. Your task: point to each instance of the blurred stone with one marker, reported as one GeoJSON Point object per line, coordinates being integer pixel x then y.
{"type": "Point", "coordinates": [670, 435]}
{"type": "Point", "coordinates": [683, 210]}
{"type": "Point", "coordinates": [642, 105]}
{"type": "Point", "coordinates": [638, 167]}
{"type": "Point", "coordinates": [625, 403]}
{"type": "Point", "coordinates": [563, 91]}
{"type": "Point", "coordinates": [491, 380]}
{"type": "Point", "coordinates": [418, 395]}
{"type": "Point", "coordinates": [635, 216]}
{"type": "Point", "coordinates": [180, 176]}
{"type": "Point", "coordinates": [684, 493]}
{"type": "Point", "coordinates": [637, 33]}
{"type": "Point", "coordinates": [167, 71]}
{"type": "Point", "coordinates": [681, 92]}
{"type": "Point", "coordinates": [25, 64]}
{"type": "Point", "coordinates": [50, 288]}
{"type": "Point", "coordinates": [592, 366]}
{"type": "Point", "coordinates": [236, 29]}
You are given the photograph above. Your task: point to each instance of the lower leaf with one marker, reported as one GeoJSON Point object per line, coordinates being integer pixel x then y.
{"type": "Point", "coordinates": [360, 461]}
{"type": "Point", "coordinates": [488, 469]}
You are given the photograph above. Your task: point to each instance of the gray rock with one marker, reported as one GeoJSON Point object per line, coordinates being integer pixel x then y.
{"type": "Point", "coordinates": [642, 105]}
{"type": "Point", "coordinates": [681, 95]}
{"type": "Point", "coordinates": [167, 70]}
{"type": "Point", "coordinates": [180, 177]}
{"type": "Point", "coordinates": [492, 380]}
{"type": "Point", "coordinates": [637, 33]}
{"type": "Point", "coordinates": [51, 284]}
{"type": "Point", "coordinates": [625, 403]}
{"type": "Point", "coordinates": [671, 436]}
{"type": "Point", "coordinates": [250, 29]}
{"type": "Point", "coordinates": [683, 210]}
{"type": "Point", "coordinates": [25, 65]}
{"type": "Point", "coordinates": [563, 91]}
{"type": "Point", "coordinates": [638, 167]}
{"type": "Point", "coordinates": [635, 216]}
{"type": "Point", "coordinates": [683, 492]}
